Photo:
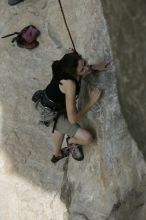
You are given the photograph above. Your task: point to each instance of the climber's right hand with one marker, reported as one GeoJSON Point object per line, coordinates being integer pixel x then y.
{"type": "Point", "coordinates": [94, 95]}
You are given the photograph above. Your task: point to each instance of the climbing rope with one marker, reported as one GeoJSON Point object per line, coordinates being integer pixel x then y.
{"type": "Point", "coordinates": [66, 25]}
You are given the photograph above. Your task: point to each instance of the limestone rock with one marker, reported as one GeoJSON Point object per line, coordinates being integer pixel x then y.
{"type": "Point", "coordinates": [31, 187]}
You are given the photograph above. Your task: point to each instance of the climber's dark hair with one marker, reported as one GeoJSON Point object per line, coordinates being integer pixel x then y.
{"type": "Point", "coordinates": [67, 65]}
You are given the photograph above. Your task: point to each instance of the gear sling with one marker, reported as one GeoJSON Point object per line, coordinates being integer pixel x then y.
{"type": "Point", "coordinates": [39, 98]}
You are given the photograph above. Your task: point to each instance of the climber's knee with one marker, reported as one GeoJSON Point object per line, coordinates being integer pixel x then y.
{"type": "Point", "coordinates": [84, 136]}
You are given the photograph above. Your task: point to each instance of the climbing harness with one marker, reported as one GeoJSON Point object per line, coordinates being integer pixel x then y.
{"type": "Point", "coordinates": [59, 1]}
{"type": "Point", "coordinates": [50, 112]}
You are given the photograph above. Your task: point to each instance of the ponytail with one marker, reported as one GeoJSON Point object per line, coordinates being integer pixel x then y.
{"type": "Point", "coordinates": [56, 68]}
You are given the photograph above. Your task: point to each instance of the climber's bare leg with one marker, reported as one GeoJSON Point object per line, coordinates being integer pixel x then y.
{"type": "Point", "coordinates": [82, 137]}
{"type": "Point", "coordinates": [57, 143]}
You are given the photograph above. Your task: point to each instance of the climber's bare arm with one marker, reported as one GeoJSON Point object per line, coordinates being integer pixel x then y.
{"type": "Point", "coordinates": [102, 66]}
{"type": "Point", "coordinates": [68, 87]}
{"type": "Point", "coordinates": [97, 68]}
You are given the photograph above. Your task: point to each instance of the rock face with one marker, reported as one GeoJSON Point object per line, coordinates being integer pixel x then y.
{"type": "Point", "coordinates": [113, 171]}
{"type": "Point", "coordinates": [127, 27]}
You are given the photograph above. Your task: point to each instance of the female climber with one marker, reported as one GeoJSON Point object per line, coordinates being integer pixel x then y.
{"type": "Point", "coordinates": [57, 104]}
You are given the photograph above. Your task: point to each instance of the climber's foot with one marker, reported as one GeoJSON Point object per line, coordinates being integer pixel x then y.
{"type": "Point", "coordinates": [76, 150]}
{"type": "Point", "coordinates": [64, 153]}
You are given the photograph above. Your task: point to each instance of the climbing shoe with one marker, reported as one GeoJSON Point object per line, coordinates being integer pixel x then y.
{"type": "Point", "coordinates": [65, 153]}
{"type": "Point", "coordinates": [14, 2]}
{"type": "Point", "coordinates": [75, 150]}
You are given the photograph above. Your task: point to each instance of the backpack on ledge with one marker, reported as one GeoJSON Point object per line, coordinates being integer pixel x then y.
{"type": "Point", "coordinates": [26, 38]}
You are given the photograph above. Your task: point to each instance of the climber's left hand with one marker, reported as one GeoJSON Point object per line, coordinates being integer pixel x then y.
{"type": "Point", "coordinates": [103, 66]}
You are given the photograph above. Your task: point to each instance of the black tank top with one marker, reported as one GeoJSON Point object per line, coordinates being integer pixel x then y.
{"type": "Point", "coordinates": [53, 92]}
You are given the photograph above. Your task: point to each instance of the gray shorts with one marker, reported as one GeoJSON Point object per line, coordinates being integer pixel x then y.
{"type": "Point", "coordinates": [63, 125]}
